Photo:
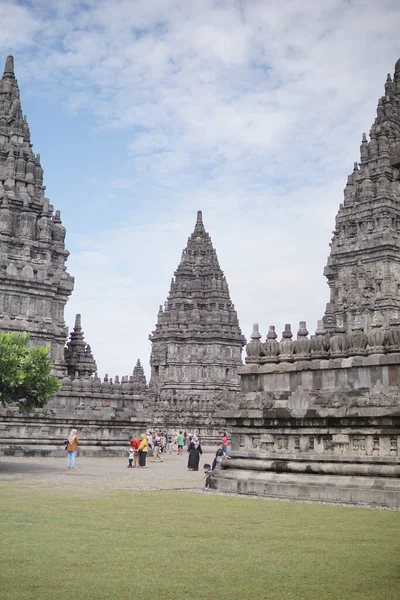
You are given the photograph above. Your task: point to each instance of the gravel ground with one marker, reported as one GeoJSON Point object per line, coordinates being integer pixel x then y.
{"type": "Point", "coordinates": [94, 476]}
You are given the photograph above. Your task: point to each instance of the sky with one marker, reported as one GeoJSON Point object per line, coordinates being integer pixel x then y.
{"type": "Point", "coordinates": [144, 112]}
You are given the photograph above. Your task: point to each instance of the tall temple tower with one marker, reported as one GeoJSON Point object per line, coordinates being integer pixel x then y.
{"type": "Point", "coordinates": [34, 283]}
{"type": "Point", "coordinates": [197, 342]}
{"type": "Point", "coordinates": [363, 269]}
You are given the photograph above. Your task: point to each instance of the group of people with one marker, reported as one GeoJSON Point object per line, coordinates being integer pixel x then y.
{"type": "Point", "coordinates": [160, 443]}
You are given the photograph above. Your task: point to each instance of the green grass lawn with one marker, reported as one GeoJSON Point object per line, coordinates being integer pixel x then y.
{"type": "Point", "coordinates": [166, 545]}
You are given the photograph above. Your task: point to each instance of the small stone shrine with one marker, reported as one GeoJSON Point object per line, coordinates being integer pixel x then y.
{"type": "Point", "coordinates": [196, 345]}
{"type": "Point", "coordinates": [319, 417]}
{"type": "Point", "coordinates": [34, 288]}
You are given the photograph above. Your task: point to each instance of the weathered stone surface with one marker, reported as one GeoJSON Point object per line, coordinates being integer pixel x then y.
{"type": "Point", "coordinates": [197, 343]}
{"type": "Point", "coordinates": [323, 422]}
{"type": "Point", "coordinates": [363, 269]}
{"type": "Point", "coordinates": [34, 283]}
{"type": "Point", "coordinates": [34, 288]}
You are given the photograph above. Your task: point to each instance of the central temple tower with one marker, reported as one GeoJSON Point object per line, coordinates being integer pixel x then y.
{"type": "Point", "coordinates": [197, 342]}
{"type": "Point", "coordinates": [363, 269]}
{"type": "Point", "coordinates": [34, 283]}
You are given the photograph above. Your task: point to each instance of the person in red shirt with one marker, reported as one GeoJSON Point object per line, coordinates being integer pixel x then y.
{"type": "Point", "coordinates": [225, 444]}
{"type": "Point", "coordinates": [135, 443]}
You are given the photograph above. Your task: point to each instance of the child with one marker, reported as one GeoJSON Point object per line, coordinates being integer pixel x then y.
{"type": "Point", "coordinates": [131, 456]}
{"type": "Point", "coordinates": [207, 473]}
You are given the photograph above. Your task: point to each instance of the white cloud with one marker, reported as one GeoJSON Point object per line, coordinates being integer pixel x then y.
{"type": "Point", "coordinates": [251, 110]}
{"type": "Point", "coordinates": [17, 27]}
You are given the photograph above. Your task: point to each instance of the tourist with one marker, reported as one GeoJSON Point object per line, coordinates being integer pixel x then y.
{"type": "Point", "coordinates": [163, 443]}
{"type": "Point", "coordinates": [169, 444]}
{"type": "Point", "coordinates": [181, 441]}
{"type": "Point", "coordinates": [131, 456]}
{"type": "Point", "coordinates": [216, 466]}
{"type": "Point", "coordinates": [207, 473]}
{"type": "Point", "coordinates": [142, 451]}
{"type": "Point", "coordinates": [135, 443]}
{"type": "Point", "coordinates": [218, 458]}
{"type": "Point", "coordinates": [157, 449]}
{"type": "Point", "coordinates": [225, 444]}
{"type": "Point", "coordinates": [175, 443]}
{"type": "Point", "coordinates": [150, 439]}
{"type": "Point", "coordinates": [72, 448]}
{"type": "Point", "coordinates": [195, 451]}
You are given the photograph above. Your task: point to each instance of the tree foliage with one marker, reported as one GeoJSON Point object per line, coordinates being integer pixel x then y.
{"type": "Point", "coordinates": [25, 373]}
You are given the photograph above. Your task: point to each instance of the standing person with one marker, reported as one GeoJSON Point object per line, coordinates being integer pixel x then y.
{"type": "Point", "coordinates": [131, 456]}
{"type": "Point", "coordinates": [195, 451]}
{"type": "Point", "coordinates": [225, 444]}
{"type": "Point", "coordinates": [135, 443]}
{"type": "Point", "coordinates": [142, 451]}
{"type": "Point", "coordinates": [150, 438]}
{"type": "Point", "coordinates": [156, 449]}
{"type": "Point", "coordinates": [72, 448]}
{"type": "Point", "coordinates": [169, 443]}
{"type": "Point", "coordinates": [175, 443]}
{"type": "Point", "coordinates": [181, 441]}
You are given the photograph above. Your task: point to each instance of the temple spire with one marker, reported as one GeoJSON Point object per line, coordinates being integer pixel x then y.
{"type": "Point", "coordinates": [78, 355]}
{"type": "Point", "coordinates": [26, 223]}
{"type": "Point", "coordinates": [9, 68]}
{"type": "Point", "coordinates": [197, 341]}
{"type": "Point", "coordinates": [199, 227]}
{"type": "Point", "coordinates": [362, 269]}
{"type": "Point", "coordinates": [138, 379]}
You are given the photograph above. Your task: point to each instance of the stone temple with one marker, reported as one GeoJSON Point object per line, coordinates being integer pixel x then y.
{"type": "Point", "coordinates": [363, 269]}
{"type": "Point", "coordinates": [316, 417]}
{"type": "Point", "coordinates": [34, 288]}
{"type": "Point", "coordinates": [319, 418]}
{"type": "Point", "coordinates": [197, 343]}
{"type": "Point", "coordinates": [34, 283]}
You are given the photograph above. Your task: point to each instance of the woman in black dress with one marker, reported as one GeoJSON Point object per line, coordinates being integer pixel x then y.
{"type": "Point", "coordinates": [195, 451]}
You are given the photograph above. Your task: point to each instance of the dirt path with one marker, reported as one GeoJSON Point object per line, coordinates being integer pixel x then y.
{"type": "Point", "coordinates": [99, 474]}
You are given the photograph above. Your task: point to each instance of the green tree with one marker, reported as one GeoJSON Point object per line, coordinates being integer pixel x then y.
{"type": "Point", "coordinates": [25, 373]}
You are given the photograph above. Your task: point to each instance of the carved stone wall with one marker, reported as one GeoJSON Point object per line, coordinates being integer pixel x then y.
{"type": "Point", "coordinates": [313, 413]}
{"type": "Point", "coordinates": [106, 419]}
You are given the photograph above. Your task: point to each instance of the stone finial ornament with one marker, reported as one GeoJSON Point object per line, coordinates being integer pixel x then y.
{"type": "Point", "coordinates": [286, 345]}
{"type": "Point", "coordinates": [301, 347]}
{"type": "Point", "coordinates": [254, 349]}
{"type": "Point", "coordinates": [271, 346]}
{"type": "Point", "coordinates": [9, 68]}
{"type": "Point", "coordinates": [319, 343]}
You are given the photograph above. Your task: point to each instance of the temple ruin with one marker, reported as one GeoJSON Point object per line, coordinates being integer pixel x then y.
{"type": "Point", "coordinates": [316, 417]}
{"type": "Point", "coordinates": [35, 284]}
{"type": "Point", "coordinates": [196, 345]}
{"type": "Point", "coordinates": [34, 288]}
{"type": "Point", "coordinates": [319, 418]}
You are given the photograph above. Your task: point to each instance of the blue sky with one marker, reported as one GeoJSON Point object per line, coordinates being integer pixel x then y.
{"type": "Point", "coordinates": [144, 112]}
